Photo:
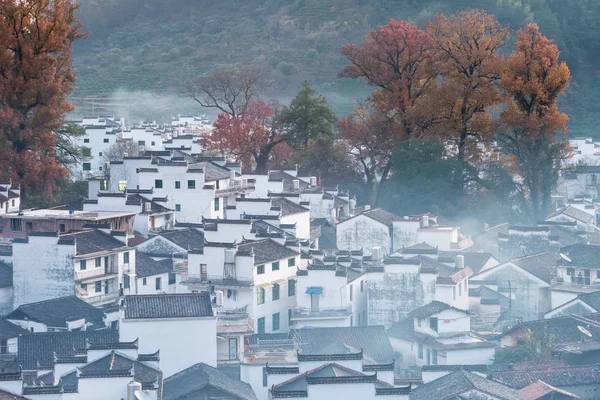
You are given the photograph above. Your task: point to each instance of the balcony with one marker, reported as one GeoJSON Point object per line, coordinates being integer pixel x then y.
{"type": "Point", "coordinates": [238, 186]}
{"type": "Point", "coordinates": [230, 321]}
{"type": "Point", "coordinates": [302, 313]}
{"type": "Point", "coordinates": [102, 299]}
{"type": "Point", "coordinates": [219, 280]}
{"type": "Point", "coordinates": [94, 273]}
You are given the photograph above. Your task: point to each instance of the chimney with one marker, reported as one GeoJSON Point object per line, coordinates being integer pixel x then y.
{"type": "Point", "coordinates": [232, 175]}
{"type": "Point", "coordinates": [376, 253]}
{"type": "Point", "coordinates": [424, 221]}
{"type": "Point", "coordinates": [313, 181]}
{"type": "Point", "coordinates": [367, 207]}
{"type": "Point", "coordinates": [296, 184]}
{"type": "Point", "coordinates": [132, 388]}
{"type": "Point", "coordinates": [459, 261]}
{"type": "Point", "coordinates": [147, 206]}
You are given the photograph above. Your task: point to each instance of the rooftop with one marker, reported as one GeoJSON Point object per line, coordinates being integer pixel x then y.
{"type": "Point", "coordinates": [147, 266]}
{"type": "Point", "coordinates": [287, 206]}
{"type": "Point", "coordinates": [91, 241]}
{"type": "Point", "coordinates": [189, 305]}
{"type": "Point", "coordinates": [575, 213]}
{"type": "Point", "coordinates": [566, 376]}
{"type": "Point", "coordinates": [539, 389]}
{"type": "Point", "coordinates": [267, 250]}
{"type": "Point", "coordinates": [188, 239]}
{"type": "Point", "coordinates": [56, 313]}
{"type": "Point", "coordinates": [435, 307]}
{"type": "Point", "coordinates": [581, 255]}
{"type": "Point", "coordinates": [540, 265]}
{"type": "Point", "coordinates": [69, 214]}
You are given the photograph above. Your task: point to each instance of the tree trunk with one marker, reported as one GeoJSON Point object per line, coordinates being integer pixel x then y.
{"type": "Point", "coordinates": [262, 161]}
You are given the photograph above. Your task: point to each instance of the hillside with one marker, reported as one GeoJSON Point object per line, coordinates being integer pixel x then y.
{"type": "Point", "coordinates": [141, 53]}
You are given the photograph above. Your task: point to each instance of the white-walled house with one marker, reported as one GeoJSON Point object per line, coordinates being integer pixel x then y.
{"type": "Point", "coordinates": [577, 273]}
{"type": "Point", "coordinates": [166, 322]}
{"type": "Point", "coordinates": [10, 198]}
{"type": "Point", "coordinates": [100, 134]}
{"type": "Point", "coordinates": [439, 334]}
{"type": "Point", "coordinates": [91, 264]}
{"type": "Point", "coordinates": [6, 285]}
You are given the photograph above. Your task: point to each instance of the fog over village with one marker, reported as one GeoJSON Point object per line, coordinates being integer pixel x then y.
{"type": "Point", "coordinates": [312, 199]}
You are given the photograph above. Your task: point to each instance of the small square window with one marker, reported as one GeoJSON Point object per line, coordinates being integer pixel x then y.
{"type": "Point", "coordinates": [177, 185]}
{"type": "Point", "coordinates": [98, 286]}
{"type": "Point", "coordinates": [275, 291]}
{"type": "Point", "coordinates": [260, 270]}
{"type": "Point", "coordinates": [84, 286]}
{"type": "Point", "coordinates": [106, 140]}
{"type": "Point", "coordinates": [191, 184]}
{"type": "Point", "coordinates": [291, 262]}
{"type": "Point", "coordinates": [153, 143]}
{"type": "Point", "coordinates": [100, 155]}
{"type": "Point", "coordinates": [275, 266]}
{"type": "Point", "coordinates": [86, 140]}
{"type": "Point", "coordinates": [82, 265]}
{"type": "Point", "coordinates": [177, 207]}
{"type": "Point", "coordinates": [87, 166]}
{"type": "Point", "coordinates": [158, 183]}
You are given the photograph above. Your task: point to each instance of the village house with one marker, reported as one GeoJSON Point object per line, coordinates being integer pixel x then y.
{"type": "Point", "coordinates": [151, 216]}
{"type": "Point", "coordinates": [145, 136]}
{"type": "Point", "coordinates": [438, 333]}
{"type": "Point", "coordinates": [587, 303]}
{"type": "Point", "coordinates": [10, 198]}
{"type": "Point", "coordinates": [155, 276]}
{"type": "Point", "coordinates": [580, 180]}
{"type": "Point", "coordinates": [22, 223]}
{"type": "Point", "coordinates": [202, 381]}
{"type": "Point", "coordinates": [92, 264]}
{"type": "Point", "coordinates": [584, 218]}
{"type": "Point", "coordinates": [380, 228]}
{"type": "Point", "coordinates": [577, 273]}
{"type": "Point", "coordinates": [9, 337]}
{"type": "Point", "coordinates": [100, 134]}
{"type": "Point", "coordinates": [61, 314]}
{"type": "Point", "coordinates": [165, 322]}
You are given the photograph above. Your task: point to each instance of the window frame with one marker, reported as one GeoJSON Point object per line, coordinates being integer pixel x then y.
{"type": "Point", "coordinates": [276, 318]}
{"type": "Point", "coordinates": [291, 287]}
{"type": "Point", "coordinates": [275, 266]}
{"type": "Point", "coordinates": [292, 262]}
{"type": "Point", "coordinates": [191, 184]}
{"type": "Point", "coordinates": [275, 292]}
{"type": "Point", "coordinates": [260, 269]}
{"type": "Point", "coordinates": [260, 296]}
{"type": "Point", "coordinates": [158, 183]}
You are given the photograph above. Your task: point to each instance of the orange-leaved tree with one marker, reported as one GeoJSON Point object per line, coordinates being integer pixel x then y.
{"type": "Point", "coordinates": [531, 123]}
{"type": "Point", "coordinates": [36, 38]}
{"type": "Point", "coordinates": [249, 137]}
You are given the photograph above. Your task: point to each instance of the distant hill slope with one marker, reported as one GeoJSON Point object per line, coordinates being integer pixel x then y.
{"type": "Point", "coordinates": [160, 45]}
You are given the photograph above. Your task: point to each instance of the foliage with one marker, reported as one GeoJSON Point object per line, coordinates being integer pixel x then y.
{"type": "Point", "coordinates": [533, 80]}
{"type": "Point", "coordinates": [67, 151]}
{"type": "Point", "coordinates": [534, 346]}
{"type": "Point", "coordinates": [121, 149]}
{"type": "Point", "coordinates": [36, 38]}
{"type": "Point", "coordinates": [308, 117]}
{"type": "Point", "coordinates": [67, 193]}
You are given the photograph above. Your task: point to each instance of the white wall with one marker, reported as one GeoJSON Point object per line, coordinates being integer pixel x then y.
{"type": "Point", "coordinates": [483, 355]}
{"type": "Point", "coordinates": [363, 232]}
{"type": "Point", "coordinates": [182, 342]}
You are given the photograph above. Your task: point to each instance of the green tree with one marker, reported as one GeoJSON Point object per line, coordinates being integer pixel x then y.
{"type": "Point", "coordinates": [67, 151]}
{"type": "Point", "coordinates": [307, 117]}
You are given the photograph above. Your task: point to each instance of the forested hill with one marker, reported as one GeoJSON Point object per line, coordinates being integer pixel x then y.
{"type": "Point", "coordinates": [161, 45]}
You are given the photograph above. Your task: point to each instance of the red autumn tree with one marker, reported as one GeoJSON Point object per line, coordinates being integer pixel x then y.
{"type": "Point", "coordinates": [468, 61]}
{"type": "Point", "coordinates": [249, 137]}
{"type": "Point", "coordinates": [533, 80]}
{"type": "Point", "coordinates": [395, 58]}
{"type": "Point", "coordinates": [36, 38]}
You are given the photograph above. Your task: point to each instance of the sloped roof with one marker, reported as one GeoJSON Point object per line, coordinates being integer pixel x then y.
{"type": "Point", "coordinates": [432, 308]}
{"type": "Point", "coordinates": [541, 265]}
{"type": "Point", "coordinates": [287, 206]}
{"type": "Point", "coordinates": [6, 395]}
{"type": "Point", "coordinates": [56, 313]}
{"type": "Point", "coordinates": [188, 239]}
{"type": "Point", "coordinates": [147, 266]}
{"type": "Point", "coordinates": [591, 299]}
{"type": "Point", "coordinates": [9, 330]}
{"type": "Point", "coordinates": [371, 339]}
{"type": "Point", "coordinates": [199, 377]}
{"type": "Point", "coordinates": [574, 213]}
{"type": "Point", "coordinates": [267, 250]}
{"type": "Point", "coordinates": [559, 376]}
{"type": "Point", "coordinates": [93, 241]}
{"type": "Point", "coordinates": [582, 255]}
{"type": "Point", "coordinates": [212, 171]}
{"type": "Point", "coordinates": [40, 347]}
{"type": "Point", "coordinates": [382, 216]}
{"type": "Point", "coordinates": [539, 389]}
{"type": "Point", "coordinates": [188, 305]}
{"type": "Point", "coordinates": [473, 260]}
{"type": "Point", "coordinates": [451, 386]}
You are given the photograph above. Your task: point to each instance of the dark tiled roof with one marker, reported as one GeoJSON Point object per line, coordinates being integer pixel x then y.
{"type": "Point", "coordinates": [380, 215]}
{"type": "Point", "coordinates": [404, 329]}
{"type": "Point", "coordinates": [574, 213]}
{"type": "Point", "coordinates": [420, 248]}
{"type": "Point", "coordinates": [541, 265]}
{"type": "Point", "coordinates": [5, 395]}
{"type": "Point", "coordinates": [136, 199]}
{"type": "Point", "coordinates": [559, 376]}
{"type": "Point", "coordinates": [432, 308]}
{"type": "Point", "coordinates": [6, 275]}
{"type": "Point", "coordinates": [288, 207]}
{"type": "Point", "coordinates": [189, 239]}
{"type": "Point", "coordinates": [591, 299]}
{"type": "Point", "coordinates": [40, 347]}
{"type": "Point", "coordinates": [371, 339]}
{"type": "Point", "coordinates": [56, 313]}
{"type": "Point", "coordinates": [475, 261]}
{"type": "Point", "coordinates": [212, 171]}
{"type": "Point", "coordinates": [451, 386]}
{"type": "Point", "coordinates": [168, 306]}
{"type": "Point", "coordinates": [267, 250]}
{"type": "Point", "coordinates": [9, 330]}
{"type": "Point", "coordinates": [197, 380]}
{"type": "Point", "coordinates": [116, 364]}
{"type": "Point", "coordinates": [93, 241]}
{"type": "Point", "coordinates": [581, 255]}
{"type": "Point", "coordinates": [147, 266]}
{"type": "Point", "coordinates": [562, 329]}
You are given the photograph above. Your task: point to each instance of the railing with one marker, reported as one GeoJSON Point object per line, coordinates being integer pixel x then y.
{"type": "Point", "coordinates": [92, 273]}
{"type": "Point", "coordinates": [219, 280]}
{"type": "Point", "coordinates": [321, 312]}
{"type": "Point", "coordinates": [234, 321]}
{"type": "Point", "coordinates": [102, 299]}
{"type": "Point", "coordinates": [224, 357]}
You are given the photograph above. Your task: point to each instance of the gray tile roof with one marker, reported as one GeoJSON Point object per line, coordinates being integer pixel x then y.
{"type": "Point", "coordinates": [6, 275]}
{"type": "Point", "coordinates": [40, 347]}
{"type": "Point", "coordinates": [382, 216]}
{"type": "Point", "coordinates": [371, 339]}
{"type": "Point", "coordinates": [9, 330]}
{"type": "Point", "coordinates": [267, 250]}
{"type": "Point", "coordinates": [451, 386]}
{"type": "Point", "coordinates": [93, 241]}
{"type": "Point", "coordinates": [56, 313]}
{"type": "Point", "coordinates": [430, 309]}
{"type": "Point", "coordinates": [287, 206]}
{"type": "Point", "coordinates": [475, 261]}
{"type": "Point", "coordinates": [117, 364]}
{"type": "Point", "coordinates": [189, 239]}
{"type": "Point", "coordinates": [558, 376]}
{"type": "Point", "coordinates": [200, 379]}
{"type": "Point", "coordinates": [187, 305]}
{"type": "Point", "coordinates": [574, 213]}
{"type": "Point", "coordinates": [136, 199]}
{"type": "Point", "coordinates": [212, 171]}
{"type": "Point", "coordinates": [581, 255]}
{"type": "Point", "coordinates": [541, 265]}
{"type": "Point", "coordinates": [591, 299]}
{"type": "Point", "coordinates": [6, 395]}
{"type": "Point", "coordinates": [147, 266]}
